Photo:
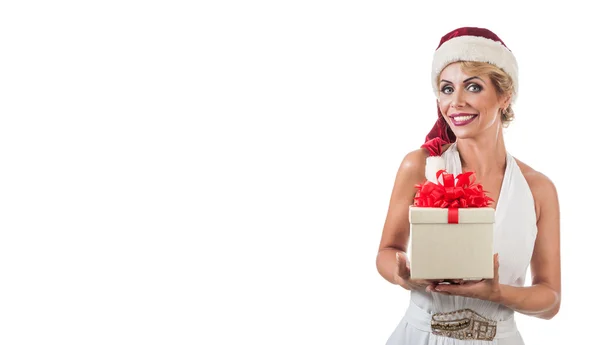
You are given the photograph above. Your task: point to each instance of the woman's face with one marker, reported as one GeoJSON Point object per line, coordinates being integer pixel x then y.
{"type": "Point", "coordinates": [469, 103]}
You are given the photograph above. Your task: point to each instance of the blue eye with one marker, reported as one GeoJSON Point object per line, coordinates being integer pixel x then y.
{"type": "Point", "coordinates": [447, 90]}
{"type": "Point", "coordinates": [474, 87]}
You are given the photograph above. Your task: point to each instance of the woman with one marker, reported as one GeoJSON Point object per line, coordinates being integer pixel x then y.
{"type": "Point", "coordinates": [475, 81]}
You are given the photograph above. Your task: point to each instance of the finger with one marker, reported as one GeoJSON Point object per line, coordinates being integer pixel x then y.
{"type": "Point", "coordinates": [402, 268]}
{"type": "Point", "coordinates": [430, 284]}
{"type": "Point", "coordinates": [449, 289]}
{"type": "Point", "coordinates": [496, 268]}
{"type": "Point", "coordinates": [441, 289]}
{"type": "Point", "coordinates": [424, 283]}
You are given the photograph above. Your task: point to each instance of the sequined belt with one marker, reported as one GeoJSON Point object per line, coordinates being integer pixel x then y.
{"type": "Point", "coordinates": [463, 324]}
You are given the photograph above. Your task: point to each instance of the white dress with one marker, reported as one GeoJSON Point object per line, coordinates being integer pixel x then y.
{"type": "Point", "coordinates": [515, 231]}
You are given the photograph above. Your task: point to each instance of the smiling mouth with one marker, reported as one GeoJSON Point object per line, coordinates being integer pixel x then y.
{"type": "Point", "coordinates": [462, 119]}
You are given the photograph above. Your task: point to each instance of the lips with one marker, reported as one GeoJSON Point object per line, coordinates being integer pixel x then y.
{"type": "Point", "coordinates": [462, 119]}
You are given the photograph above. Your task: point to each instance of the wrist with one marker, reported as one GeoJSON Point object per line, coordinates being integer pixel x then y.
{"type": "Point", "coordinates": [498, 294]}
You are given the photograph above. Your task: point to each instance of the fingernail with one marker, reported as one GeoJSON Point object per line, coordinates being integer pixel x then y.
{"type": "Point", "coordinates": [397, 255]}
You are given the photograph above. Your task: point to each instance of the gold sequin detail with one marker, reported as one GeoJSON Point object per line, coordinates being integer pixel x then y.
{"type": "Point", "coordinates": [463, 324]}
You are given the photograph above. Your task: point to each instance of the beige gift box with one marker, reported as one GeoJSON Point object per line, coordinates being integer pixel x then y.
{"type": "Point", "coordinates": [439, 250]}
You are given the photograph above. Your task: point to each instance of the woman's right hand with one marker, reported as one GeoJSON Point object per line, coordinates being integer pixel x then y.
{"type": "Point", "coordinates": [402, 276]}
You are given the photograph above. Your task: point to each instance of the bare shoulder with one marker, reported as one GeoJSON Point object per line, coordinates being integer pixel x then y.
{"type": "Point", "coordinates": [535, 179]}
{"type": "Point", "coordinates": [414, 162]}
{"type": "Point", "coordinates": [541, 186]}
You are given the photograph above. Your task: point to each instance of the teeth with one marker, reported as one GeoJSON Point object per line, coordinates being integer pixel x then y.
{"type": "Point", "coordinates": [463, 118]}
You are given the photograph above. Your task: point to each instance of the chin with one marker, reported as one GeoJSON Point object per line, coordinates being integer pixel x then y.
{"type": "Point", "coordinates": [462, 134]}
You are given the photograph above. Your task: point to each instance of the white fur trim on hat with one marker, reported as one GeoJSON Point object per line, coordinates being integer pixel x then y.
{"type": "Point", "coordinates": [474, 48]}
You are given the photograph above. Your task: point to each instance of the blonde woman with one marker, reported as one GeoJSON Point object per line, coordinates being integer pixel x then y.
{"type": "Point", "coordinates": [475, 79]}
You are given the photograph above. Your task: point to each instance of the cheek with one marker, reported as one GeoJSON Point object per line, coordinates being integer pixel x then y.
{"type": "Point", "coordinates": [488, 110]}
{"type": "Point", "coordinates": [444, 104]}
{"type": "Point", "coordinates": [485, 104]}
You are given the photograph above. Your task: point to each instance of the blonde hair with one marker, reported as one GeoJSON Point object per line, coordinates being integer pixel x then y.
{"type": "Point", "coordinates": [502, 82]}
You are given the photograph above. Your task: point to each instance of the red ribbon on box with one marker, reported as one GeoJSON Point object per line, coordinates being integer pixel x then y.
{"type": "Point", "coordinates": [453, 193]}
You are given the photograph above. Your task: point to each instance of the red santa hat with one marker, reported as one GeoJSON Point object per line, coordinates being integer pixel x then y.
{"type": "Point", "coordinates": [463, 44]}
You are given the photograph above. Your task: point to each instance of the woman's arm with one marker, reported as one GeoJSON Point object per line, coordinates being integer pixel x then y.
{"type": "Point", "coordinates": [542, 299]}
{"type": "Point", "coordinates": [538, 300]}
{"type": "Point", "coordinates": [394, 239]}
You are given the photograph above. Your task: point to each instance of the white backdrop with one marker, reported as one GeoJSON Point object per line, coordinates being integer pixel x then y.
{"type": "Point", "coordinates": [218, 172]}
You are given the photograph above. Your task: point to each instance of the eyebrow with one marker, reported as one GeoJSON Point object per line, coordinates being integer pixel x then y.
{"type": "Point", "coordinates": [464, 81]}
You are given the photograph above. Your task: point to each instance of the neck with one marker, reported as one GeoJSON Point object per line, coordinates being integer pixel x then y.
{"type": "Point", "coordinates": [484, 155]}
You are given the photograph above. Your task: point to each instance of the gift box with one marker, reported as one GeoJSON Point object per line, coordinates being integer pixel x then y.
{"type": "Point", "coordinates": [451, 229]}
{"type": "Point", "coordinates": [443, 250]}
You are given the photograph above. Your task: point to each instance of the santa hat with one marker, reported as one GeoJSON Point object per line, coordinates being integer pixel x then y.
{"type": "Point", "coordinates": [463, 44]}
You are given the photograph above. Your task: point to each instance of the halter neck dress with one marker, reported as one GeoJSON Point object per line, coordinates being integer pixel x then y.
{"type": "Point", "coordinates": [515, 231]}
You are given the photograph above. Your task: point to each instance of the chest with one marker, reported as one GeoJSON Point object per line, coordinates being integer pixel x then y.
{"type": "Point", "coordinates": [493, 186]}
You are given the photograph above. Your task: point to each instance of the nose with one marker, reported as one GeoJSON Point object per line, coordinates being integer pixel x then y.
{"type": "Point", "coordinates": [458, 99]}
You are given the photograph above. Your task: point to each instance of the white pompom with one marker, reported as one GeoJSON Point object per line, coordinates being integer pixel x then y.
{"type": "Point", "coordinates": [433, 164]}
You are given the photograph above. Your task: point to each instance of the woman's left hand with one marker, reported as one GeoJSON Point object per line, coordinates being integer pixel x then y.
{"type": "Point", "coordinates": [486, 289]}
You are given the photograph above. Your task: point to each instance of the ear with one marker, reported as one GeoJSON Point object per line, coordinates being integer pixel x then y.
{"type": "Point", "coordinates": [506, 101]}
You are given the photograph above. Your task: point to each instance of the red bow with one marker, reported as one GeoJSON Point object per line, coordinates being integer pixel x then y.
{"type": "Point", "coordinates": [459, 192]}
